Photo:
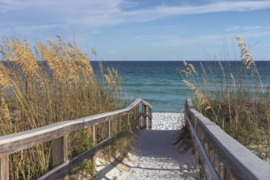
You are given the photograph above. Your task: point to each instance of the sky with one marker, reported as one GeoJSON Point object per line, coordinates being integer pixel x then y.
{"type": "Point", "coordinates": [143, 30]}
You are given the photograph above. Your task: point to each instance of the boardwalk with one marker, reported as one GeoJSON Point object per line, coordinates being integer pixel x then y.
{"type": "Point", "coordinates": [155, 157]}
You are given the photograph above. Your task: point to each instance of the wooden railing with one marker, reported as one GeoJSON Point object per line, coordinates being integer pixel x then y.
{"type": "Point", "coordinates": [226, 158]}
{"type": "Point", "coordinates": [58, 134]}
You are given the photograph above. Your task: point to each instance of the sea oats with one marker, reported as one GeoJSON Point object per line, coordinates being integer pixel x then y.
{"type": "Point", "coordinates": [203, 70]}
{"type": "Point", "coordinates": [193, 69]}
{"type": "Point", "coordinates": [221, 66]}
{"type": "Point", "coordinates": [94, 52]}
{"type": "Point", "coordinates": [64, 89]}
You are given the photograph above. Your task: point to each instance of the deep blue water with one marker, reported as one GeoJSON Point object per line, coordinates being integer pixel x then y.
{"type": "Point", "coordinates": [159, 82]}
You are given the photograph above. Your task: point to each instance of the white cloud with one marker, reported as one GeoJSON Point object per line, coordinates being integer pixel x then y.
{"type": "Point", "coordinates": [142, 37]}
{"type": "Point", "coordinates": [233, 28]}
{"type": "Point", "coordinates": [174, 41]}
{"type": "Point", "coordinates": [251, 27]}
{"type": "Point", "coordinates": [38, 27]}
{"type": "Point", "coordinates": [92, 13]}
{"type": "Point", "coordinates": [111, 52]}
{"type": "Point", "coordinates": [95, 32]}
{"type": "Point", "coordinates": [183, 41]}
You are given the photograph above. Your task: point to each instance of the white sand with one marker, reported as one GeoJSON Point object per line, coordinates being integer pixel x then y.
{"type": "Point", "coordinates": [155, 156]}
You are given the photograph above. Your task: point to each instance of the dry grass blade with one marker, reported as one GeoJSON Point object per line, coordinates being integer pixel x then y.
{"type": "Point", "coordinates": [237, 100]}
{"type": "Point", "coordinates": [63, 86]}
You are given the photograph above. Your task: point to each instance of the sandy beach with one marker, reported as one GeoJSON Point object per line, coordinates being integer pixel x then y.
{"type": "Point", "coordinates": [155, 156]}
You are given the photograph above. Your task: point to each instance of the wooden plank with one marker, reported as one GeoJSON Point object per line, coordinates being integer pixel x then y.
{"type": "Point", "coordinates": [150, 118]}
{"type": "Point", "coordinates": [205, 157]}
{"type": "Point", "coordinates": [134, 114]}
{"type": "Point", "coordinates": [120, 123]}
{"type": "Point", "coordinates": [109, 135]}
{"type": "Point", "coordinates": [226, 174]}
{"type": "Point", "coordinates": [60, 154]}
{"type": "Point", "coordinates": [217, 164]}
{"type": "Point", "coordinates": [138, 112]}
{"type": "Point", "coordinates": [54, 173]}
{"type": "Point", "coordinates": [19, 141]}
{"type": "Point", "coordinates": [195, 145]}
{"type": "Point", "coordinates": [128, 120]}
{"type": "Point", "coordinates": [231, 153]}
{"type": "Point", "coordinates": [206, 170]}
{"type": "Point", "coordinates": [146, 104]}
{"type": "Point", "coordinates": [211, 153]}
{"type": "Point", "coordinates": [141, 120]}
{"type": "Point", "coordinates": [93, 159]}
{"type": "Point", "coordinates": [201, 159]}
{"type": "Point", "coordinates": [109, 129]}
{"type": "Point", "coordinates": [144, 117]}
{"type": "Point", "coordinates": [4, 167]}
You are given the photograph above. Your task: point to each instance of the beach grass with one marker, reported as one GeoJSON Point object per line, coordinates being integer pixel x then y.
{"type": "Point", "coordinates": [33, 95]}
{"type": "Point", "coordinates": [236, 98]}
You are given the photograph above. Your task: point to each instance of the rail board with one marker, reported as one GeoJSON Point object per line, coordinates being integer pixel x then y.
{"type": "Point", "coordinates": [58, 132]}
{"type": "Point", "coordinates": [238, 160]}
{"type": "Point", "coordinates": [54, 173]}
{"type": "Point", "coordinates": [16, 142]}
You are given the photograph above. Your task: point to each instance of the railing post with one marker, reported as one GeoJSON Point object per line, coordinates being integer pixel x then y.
{"type": "Point", "coordinates": [60, 154]}
{"type": "Point", "coordinates": [120, 125]}
{"type": "Point", "coordinates": [4, 160]}
{"type": "Point", "coordinates": [217, 164]}
{"type": "Point", "coordinates": [128, 121]}
{"type": "Point", "coordinates": [134, 113]}
{"type": "Point", "coordinates": [211, 154]}
{"type": "Point", "coordinates": [4, 167]}
{"type": "Point", "coordinates": [93, 161]}
{"type": "Point", "coordinates": [138, 112]}
{"type": "Point", "coordinates": [141, 118]}
{"type": "Point", "coordinates": [109, 128]}
{"type": "Point", "coordinates": [195, 144]}
{"type": "Point", "coordinates": [226, 174]}
{"type": "Point", "coordinates": [144, 118]}
{"type": "Point", "coordinates": [201, 160]}
{"type": "Point", "coordinates": [109, 135]}
{"type": "Point", "coordinates": [150, 119]}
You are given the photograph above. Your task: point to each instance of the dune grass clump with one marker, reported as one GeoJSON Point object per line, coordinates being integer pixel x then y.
{"type": "Point", "coordinates": [51, 84]}
{"type": "Point", "coordinates": [236, 98]}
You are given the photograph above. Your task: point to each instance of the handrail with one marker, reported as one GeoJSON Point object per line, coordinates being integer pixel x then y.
{"type": "Point", "coordinates": [238, 160]}
{"type": "Point", "coordinates": [16, 142]}
{"type": "Point", "coordinates": [208, 162]}
{"type": "Point", "coordinates": [54, 173]}
{"type": "Point", "coordinates": [19, 141]}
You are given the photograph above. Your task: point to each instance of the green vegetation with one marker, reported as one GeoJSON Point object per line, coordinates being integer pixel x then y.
{"type": "Point", "coordinates": [235, 98]}
{"type": "Point", "coordinates": [34, 95]}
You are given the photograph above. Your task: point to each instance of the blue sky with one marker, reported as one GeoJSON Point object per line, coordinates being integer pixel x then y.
{"type": "Point", "coordinates": [143, 29]}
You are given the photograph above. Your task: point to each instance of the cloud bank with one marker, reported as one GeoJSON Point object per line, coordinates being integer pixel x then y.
{"type": "Point", "coordinates": [35, 15]}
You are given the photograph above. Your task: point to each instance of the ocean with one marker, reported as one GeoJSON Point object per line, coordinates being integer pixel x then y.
{"type": "Point", "coordinates": [159, 82]}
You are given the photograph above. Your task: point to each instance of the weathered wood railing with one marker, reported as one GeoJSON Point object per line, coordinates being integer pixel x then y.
{"type": "Point", "coordinates": [228, 158]}
{"type": "Point", "coordinates": [58, 133]}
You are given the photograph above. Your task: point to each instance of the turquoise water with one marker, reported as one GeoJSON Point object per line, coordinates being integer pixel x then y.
{"type": "Point", "coordinates": [159, 82]}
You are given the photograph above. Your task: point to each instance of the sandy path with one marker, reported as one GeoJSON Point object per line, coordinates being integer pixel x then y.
{"type": "Point", "coordinates": [155, 157]}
